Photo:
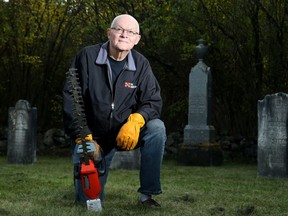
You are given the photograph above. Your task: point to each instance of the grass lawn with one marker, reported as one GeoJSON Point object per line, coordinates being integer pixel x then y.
{"type": "Point", "coordinates": [46, 188]}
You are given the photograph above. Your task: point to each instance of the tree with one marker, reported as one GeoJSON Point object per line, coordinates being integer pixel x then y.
{"type": "Point", "coordinates": [37, 34]}
{"type": "Point", "coordinates": [247, 43]}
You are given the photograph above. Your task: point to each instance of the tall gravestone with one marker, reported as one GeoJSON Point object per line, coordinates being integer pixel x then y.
{"type": "Point", "coordinates": [272, 135]}
{"type": "Point", "coordinates": [199, 147]}
{"type": "Point", "coordinates": [22, 133]}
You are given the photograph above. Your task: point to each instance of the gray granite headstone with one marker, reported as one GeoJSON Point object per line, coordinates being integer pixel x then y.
{"type": "Point", "coordinates": [126, 160]}
{"type": "Point", "coordinates": [22, 133]}
{"type": "Point", "coordinates": [272, 135]}
{"type": "Point", "coordinates": [199, 130]}
{"type": "Point", "coordinates": [199, 147]}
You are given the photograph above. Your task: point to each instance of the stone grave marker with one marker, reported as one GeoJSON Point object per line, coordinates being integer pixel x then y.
{"type": "Point", "coordinates": [126, 160]}
{"type": "Point", "coordinates": [199, 147]}
{"type": "Point", "coordinates": [272, 135]}
{"type": "Point", "coordinates": [22, 133]}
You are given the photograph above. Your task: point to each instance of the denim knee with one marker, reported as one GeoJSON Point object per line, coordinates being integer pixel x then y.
{"type": "Point", "coordinates": [156, 126]}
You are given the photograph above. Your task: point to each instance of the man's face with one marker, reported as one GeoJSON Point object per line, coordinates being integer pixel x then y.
{"type": "Point", "coordinates": [124, 34]}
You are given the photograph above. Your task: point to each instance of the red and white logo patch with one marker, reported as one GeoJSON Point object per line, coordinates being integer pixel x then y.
{"type": "Point", "coordinates": [129, 85]}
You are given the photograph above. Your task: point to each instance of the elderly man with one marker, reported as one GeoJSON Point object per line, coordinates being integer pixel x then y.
{"type": "Point", "coordinates": [122, 105]}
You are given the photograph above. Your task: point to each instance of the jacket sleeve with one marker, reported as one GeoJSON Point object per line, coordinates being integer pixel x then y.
{"type": "Point", "coordinates": [71, 126]}
{"type": "Point", "coordinates": [150, 101]}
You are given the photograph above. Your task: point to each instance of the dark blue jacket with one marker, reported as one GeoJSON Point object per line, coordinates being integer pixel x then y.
{"type": "Point", "coordinates": [108, 106]}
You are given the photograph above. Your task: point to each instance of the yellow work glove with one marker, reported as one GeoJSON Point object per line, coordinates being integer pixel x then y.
{"type": "Point", "coordinates": [87, 138]}
{"type": "Point", "coordinates": [128, 135]}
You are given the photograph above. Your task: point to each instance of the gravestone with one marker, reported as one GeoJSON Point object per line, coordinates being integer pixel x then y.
{"type": "Point", "coordinates": [22, 133]}
{"type": "Point", "coordinates": [126, 160]}
{"type": "Point", "coordinates": [199, 147]}
{"type": "Point", "coordinates": [272, 135]}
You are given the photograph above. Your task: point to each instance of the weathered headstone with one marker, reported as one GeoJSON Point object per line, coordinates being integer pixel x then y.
{"type": "Point", "coordinates": [22, 133]}
{"type": "Point", "coordinates": [199, 147]}
{"type": "Point", "coordinates": [272, 135]}
{"type": "Point", "coordinates": [126, 160]}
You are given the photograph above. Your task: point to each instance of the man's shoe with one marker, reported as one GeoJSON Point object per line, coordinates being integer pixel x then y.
{"type": "Point", "coordinates": [150, 203]}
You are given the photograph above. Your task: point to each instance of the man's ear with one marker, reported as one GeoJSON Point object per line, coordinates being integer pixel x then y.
{"type": "Point", "coordinates": [108, 32]}
{"type": "Point", "coordinates": [137, 40]}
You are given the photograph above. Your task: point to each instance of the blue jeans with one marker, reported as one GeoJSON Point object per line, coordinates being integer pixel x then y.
{"type": "Point", "coordinates": [151, 142]}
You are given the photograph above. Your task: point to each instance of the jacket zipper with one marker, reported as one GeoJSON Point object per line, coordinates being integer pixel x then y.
{"type": "Point", "coordinates": [113, 93]}
{"type": "Point", "coordinates": [112, 109]}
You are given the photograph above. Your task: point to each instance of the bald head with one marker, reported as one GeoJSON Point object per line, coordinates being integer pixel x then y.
{"type": "Point", "coordinates": [127, 18]}
{"type": "Point", "coordinates": [123, 35]}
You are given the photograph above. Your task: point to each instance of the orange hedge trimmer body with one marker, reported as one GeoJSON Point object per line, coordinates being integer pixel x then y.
{"type": "Point", "coordinates": [90, 181]}
{"type": "Point", "coordinates": [88, 172]}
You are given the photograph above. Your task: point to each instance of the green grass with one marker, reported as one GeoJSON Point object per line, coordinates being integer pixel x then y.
{"type": "Point", "coordinates": [46, 188]}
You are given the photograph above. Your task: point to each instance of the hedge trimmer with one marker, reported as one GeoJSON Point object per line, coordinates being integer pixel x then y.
{"type": "Point", "coordinates": [91, 164]}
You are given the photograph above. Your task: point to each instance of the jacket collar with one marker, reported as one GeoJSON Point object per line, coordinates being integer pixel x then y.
{"type": "Point", "coordinates": [102, 57]}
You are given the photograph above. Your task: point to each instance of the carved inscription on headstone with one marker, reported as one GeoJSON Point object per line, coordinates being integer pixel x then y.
{"type": "Point", "coordinates": [272, 135]}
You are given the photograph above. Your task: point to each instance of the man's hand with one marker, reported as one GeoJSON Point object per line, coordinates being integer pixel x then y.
{"type": "Point", "coordinates": [128, 135]}
{"type": "Point", "coordinates": [97, 154]}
